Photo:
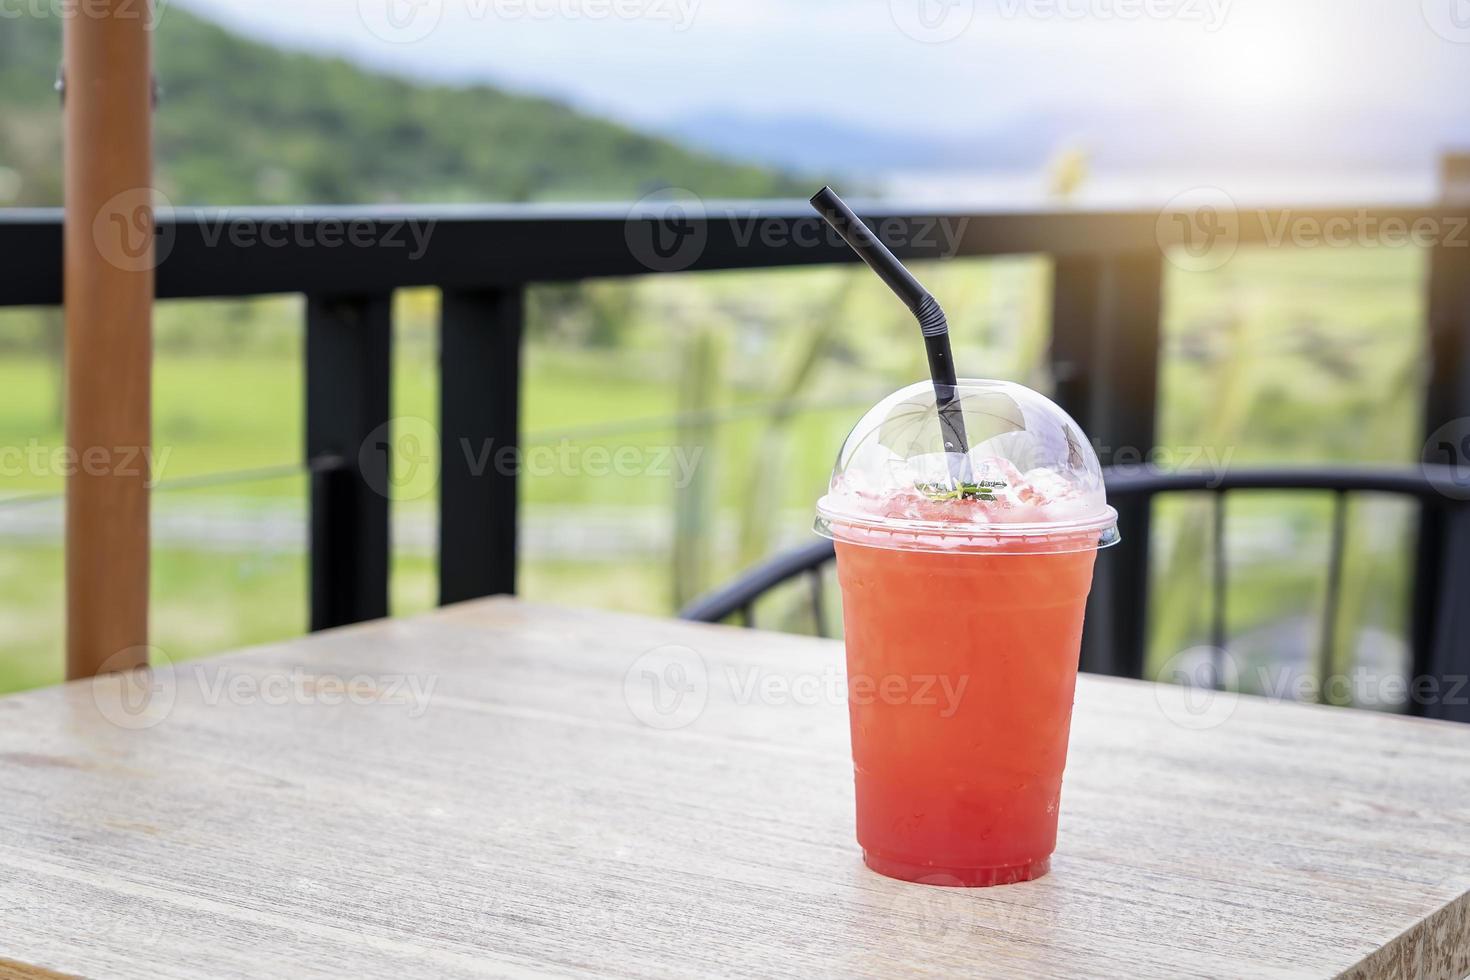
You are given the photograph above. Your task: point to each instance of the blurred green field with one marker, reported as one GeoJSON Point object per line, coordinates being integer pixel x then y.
{"type": "Point", "coordinates": [1282, 356]}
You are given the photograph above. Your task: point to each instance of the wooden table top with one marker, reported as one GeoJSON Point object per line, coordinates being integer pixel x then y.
{"type": "Point", "coordinates": [504, 788]}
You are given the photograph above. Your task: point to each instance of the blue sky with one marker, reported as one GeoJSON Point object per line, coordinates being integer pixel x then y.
{"type": "Point", "coordinates": [663, 58]}
{"type": "Point", "coordinates": [1223, 73]}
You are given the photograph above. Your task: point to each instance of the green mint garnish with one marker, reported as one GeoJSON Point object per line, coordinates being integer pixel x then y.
{"type": "Point", "coordinates": [983, 490]}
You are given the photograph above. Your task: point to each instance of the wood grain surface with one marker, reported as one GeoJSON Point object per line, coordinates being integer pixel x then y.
{"type": "Point", "coordinates": [509, 789]}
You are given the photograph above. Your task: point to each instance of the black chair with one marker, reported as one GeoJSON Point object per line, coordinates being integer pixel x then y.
{"type": "Point", "coordinates": [1440, 640]}
{"type": "Point", "coordinates": [738, 599]}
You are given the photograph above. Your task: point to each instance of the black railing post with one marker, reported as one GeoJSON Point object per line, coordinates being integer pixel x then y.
{"type": "Point", "coordinates": [1106, 313]}
{"type": "Point", "coordinates": [348, 344]}
{"type": "Point", "coordinates": [1438, 646]}
{"type": "Point", "coordinates": [479, 427]}
{"type": "Point", "coordinates": [1447, 660]}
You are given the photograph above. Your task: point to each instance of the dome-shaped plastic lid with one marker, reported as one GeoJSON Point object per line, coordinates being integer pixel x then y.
{"type": "Point", "coordinates": [1030, 483]}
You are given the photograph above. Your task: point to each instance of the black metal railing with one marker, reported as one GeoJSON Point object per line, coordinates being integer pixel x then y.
{"type": "Point", "coordinates": [1439, 648]}
{"type": "Point", "coordinates": [1108, 272]}
{"type": "Point", "coordinates": [738, 599]}
{"type": "Point", "coordinates": [1439, 652]}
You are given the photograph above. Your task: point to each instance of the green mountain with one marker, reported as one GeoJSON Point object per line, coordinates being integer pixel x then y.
{"type": "Point", "coordinates": [244, 123]}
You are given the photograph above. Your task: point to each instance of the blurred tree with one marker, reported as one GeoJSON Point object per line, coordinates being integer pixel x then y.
{"type": "Point", "coordinates": [241, 122]}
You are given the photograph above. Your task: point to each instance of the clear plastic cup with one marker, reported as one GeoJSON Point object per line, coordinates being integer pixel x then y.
{"type": "Point", "coordinates": [964, 582]}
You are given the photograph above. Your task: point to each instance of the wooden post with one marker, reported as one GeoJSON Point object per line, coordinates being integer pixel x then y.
{"type": "Point", "coordinates": [108, 293]}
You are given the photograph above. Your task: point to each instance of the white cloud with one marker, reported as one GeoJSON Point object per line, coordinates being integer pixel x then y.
{"type": "Point", "coordinates": [851, 59]}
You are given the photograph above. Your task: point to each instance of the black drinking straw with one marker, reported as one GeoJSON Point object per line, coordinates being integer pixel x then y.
{"type": "Point", "coordinates": [925, 307]}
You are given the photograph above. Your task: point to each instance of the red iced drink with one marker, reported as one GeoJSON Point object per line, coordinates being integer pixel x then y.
{"type": "Point", "coordinates": [963, 602]}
